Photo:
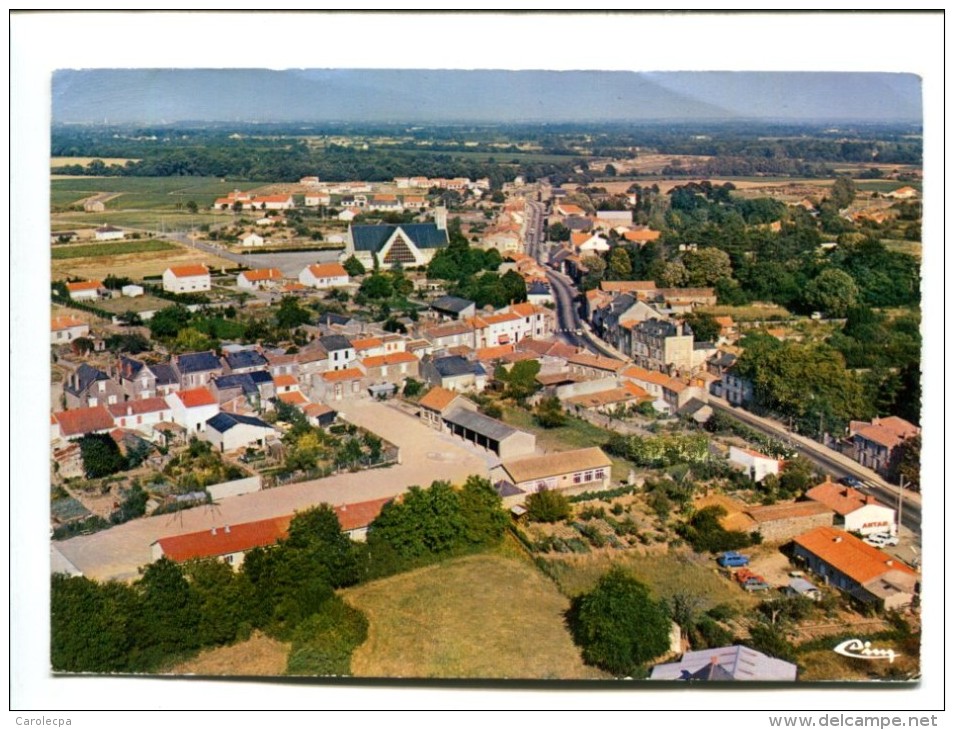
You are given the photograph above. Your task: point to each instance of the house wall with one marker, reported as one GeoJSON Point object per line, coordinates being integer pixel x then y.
{"type": "Point", "coordinates": [871, 519]}
{"type": "Point", "coordinates": [192, 419]}
{"type": "Point", "coordinates": [237, 437]}
{"type": "Point", "coordinates": [572, 482]}
{"type": "Point", "coordinates": [236, 487]}
{"type": "Point", "coordinates": [172, 283]}
{"type": "Point", "coordinates": [100, 393]}
{"type": "Point", "coordinates": [69, 334]}
{"type": "Point", "coordinates": [778, 531]}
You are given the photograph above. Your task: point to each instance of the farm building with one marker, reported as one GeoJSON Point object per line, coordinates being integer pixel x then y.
{"type": "Point", "coordinates": [580, 470]}
{"type": "Point", "coordinates": [857, 512]}
{"type": "Point", "coordinates": [226, 543]}
{"type": "Point", "coordinates": [109, 233]}
{"type": "Point", "coordinates": [505, 441]}
{"type": "Point", "coordinates": [188, 278]}
{"type": "Point", "coordinates": [857, 569]}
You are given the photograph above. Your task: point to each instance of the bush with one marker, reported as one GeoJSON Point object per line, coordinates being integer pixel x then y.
{"type": "Point", "coordinates": [548, 506]}
{"type": "Point", "coordinates": [323, 643]}
{"type": "Point", "coordinates": [618, 624]}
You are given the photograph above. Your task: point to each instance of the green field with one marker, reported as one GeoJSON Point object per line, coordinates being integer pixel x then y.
{"type": "Point", "coordinates": [885, 186]}
{"type": "Point", "coordinates": [482, 616]}
{"type": "Point", "coordinates": [151, 219]}
{"type": "Point", "coordinates": [113, 248]}
{"type": "Point", "coordinates": [142, 192]}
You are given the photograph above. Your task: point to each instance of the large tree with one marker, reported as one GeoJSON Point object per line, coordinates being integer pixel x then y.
{"type": "Point", "coordinates": [619, 625]}
{"type": "Point", "coordinates": [706, 266]}
{"type": "Point", "coordinates": [833, 291]}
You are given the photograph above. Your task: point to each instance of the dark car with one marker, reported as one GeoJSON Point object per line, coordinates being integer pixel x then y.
{"type": "Point", "coordinates": [850, 481]}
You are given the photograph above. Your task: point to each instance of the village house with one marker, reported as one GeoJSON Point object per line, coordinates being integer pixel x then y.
{"type": "Point", "coordinates": [89, 386]}
{"type": "Point", "coordinates": [246, 360]}
{"type": "Point", "coordinates": [66, 329]}
{"type": "Point", "coordinates": [257, 387]}
{"type": "Point", "coordinates": [80, 290]}
{"type": "Point", "coordinates": [341, 353]}
{"type": "Point", "coordinates": [861, 571]}
{"type": "Point", "coordinates": [662, 345]}
{"type": "Point", "coordinates": [81, 421]}
{"type": "Point", "coordinates": [452, 334]}
{"type": "Point", "coordinates": [393, 368]}
{"type": "Point", "coordinates": [315, 198]}
{"type": "Point", "coordinates": [231, 431]}
{"type": "Point", "coordinates": [571, 472]}
{"type": "Point", "coordinates": [757, 466]}
{"type": "Point", "coordinates": [141, 415]}
{"type": "Point", "coordinates": [874, 444]}
{"type": "Point", "coordinates": [337, 385]}
{"type": "Point", "coordinates": [253, 239]}
{"type": "Point", "coordinates": [192, 408]}
{"type": "Point", "coordinates": [594, 366]}
{"type": "Point", "coordinates": [438, 401]}
{"type": "Point", "coordinates": [196, 369]}
{"type": "Point", "coordinates": [258, 279]}
{"type": "Point", "coordinates": [324, 276]}
{"type": "Point", "coordinates": [588, 244]}
{"type": "Point", "coordinates": [355, 518]}
{"type": "Point", "coordinates": [189, 278]}
{"type": "Point", "coordinates": [452, 308]}
{"type": "Point", "coordinates": [454, 373]}
{"type": "Point", "coordinates": [857, 512]}
{"type": "Point", "coordinates": [227, 543]}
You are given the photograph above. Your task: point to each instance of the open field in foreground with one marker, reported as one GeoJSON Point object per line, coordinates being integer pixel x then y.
{"type": "Point", "coordinates": [114, 248]}
{"type": "Point", "coordinates": [259, 656]}
{"type": "Point", "coordinates": [482, 616]}
{"type": "Point", "coordinates": [143, 192]}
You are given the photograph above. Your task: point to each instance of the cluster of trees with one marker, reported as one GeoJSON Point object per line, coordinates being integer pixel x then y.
{"type": "Point", "coordinates": [174, 610]}
{"type": "Point", "coordinates": [806, 382]}
{"type": "Point", "coordinates": [705, 533]}
{"type": "Point", "coordinates": [520, 380]}
{"type": "Point", "coordinates": [432, 524]}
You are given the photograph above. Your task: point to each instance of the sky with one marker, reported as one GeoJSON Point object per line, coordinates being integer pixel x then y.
{"type": "Point", "coordinates": [165, 95]}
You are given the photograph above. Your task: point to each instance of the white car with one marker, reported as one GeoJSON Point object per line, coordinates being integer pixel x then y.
{"type": "Point", "coordinates": [881, 540]}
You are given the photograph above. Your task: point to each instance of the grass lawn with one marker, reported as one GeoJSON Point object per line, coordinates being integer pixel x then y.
{"type": "Point", "coordinates": [259, 656]}
{"type": "Point", "coordinates": [665, 573]}
{"type": "Point", "coordinates": [145, 303]}
{"type": "Point", "coordinates": [912, 248]}
{"type": "Point", "coordinates": [149, 219]}
{"type": "Point", "coordinates": [749, 313]}
{"type": "Point", "coordinates": [113, 248]}
{"type": "Point", "coordinates": [481, 616]}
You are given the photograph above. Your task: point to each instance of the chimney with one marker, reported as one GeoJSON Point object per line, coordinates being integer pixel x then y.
{"type": "Point", "coordinates": [889, 563]}
{"type": "Point", "coordinates": [227, 529]}
{"type": "Point", "coordinates": [837, 540]}
{"type": "Point", "coordinates": [213, 531]}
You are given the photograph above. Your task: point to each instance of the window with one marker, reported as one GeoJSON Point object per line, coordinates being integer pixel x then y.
{"type": "Point", "coordinates": [578, 478]}
{"type": "Point", "coordinates": [600, 474]}
{"type": "Point", "coordinates": [588, 477]}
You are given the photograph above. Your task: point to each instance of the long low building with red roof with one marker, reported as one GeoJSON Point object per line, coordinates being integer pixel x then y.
{"type": "Point", "coordinates": [856, 568]}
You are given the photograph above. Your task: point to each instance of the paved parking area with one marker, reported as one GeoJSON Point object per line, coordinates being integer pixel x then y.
{"type": "Point", "coordinates": [426, 455]}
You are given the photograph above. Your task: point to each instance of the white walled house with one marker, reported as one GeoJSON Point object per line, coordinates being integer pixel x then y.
{"type": "Point", "coordinates": [756, 465]}
{"type": "Point", "coordinates": [857, 512]}
{"type": "Point", "coordinates": [66, 329]}
{"type": "Point", "coordinates": [324, 276]}
{"type": "Point", "coordinates": [191, 409]}
{"type": "Point", "coordinates": [231, 431]}
{"type": "Point", "coordinates": [253, 239]}
{"type": "Point", "coordinates": [189, 278]}
{"type": "Point", "coordinates": [259, 279]}
{"type": "Point", "coordinates": [109, 233]}
{"type": "Point", "coordinates": [80, 290]}
{"type": "Point", "coordinates": [318, 197]}
{"type": "Point", "coordinates": [142, 414]}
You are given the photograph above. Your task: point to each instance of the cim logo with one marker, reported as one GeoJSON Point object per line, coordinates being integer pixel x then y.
{"type": "Point", "coordinates": [858, 649]}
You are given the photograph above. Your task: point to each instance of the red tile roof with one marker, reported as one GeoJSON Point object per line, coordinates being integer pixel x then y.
{"type": "Point", "coordinates": [293, 398]}
{"type": "Point", "coordinates": [83, 285]}
{"type": "Point", "coordinates": [365, 343]}
{"type": "Point", "coordinates": [65, 322]}
{"type": "Point", "coordinates": [338, 375]}
{"type": "Point", "coordinates": [81, 421]}
{"type": "Point", "coordinates": [138, 407]}
{"type": "Point", "coordinates": [888, 432]}
{"type": "Point", "coordinates": [225, 540]}
{"type": "Point", "coordinates": [285, 380]}
{"type": "Point", "coordinates": [494, 353]}
{"type": "Point", "coordinates": [196, 397]}
{"type": "Point", "coordinates": [327, 271]}
{"type": "Point", "coordinates": [360, 514]}
{"type": "Point", "coordinates": [189, 270]}
{"type": "Point", "coordinates": [438, 398]}
{"type": "Point", "coordinates": [849, 555]}
{"type": "Point", "coordinates": [647, 376]}
{"type": "Point", "coordinates": [642, 236]}
{"type": "Point", "coordinates": [394, 358]}
{"type": "Point", "coordinates": [263, 275]}
{"type": "Point", "coordinates": [841, 499]}
{"type": "Point", "coordinates": [597, 361]}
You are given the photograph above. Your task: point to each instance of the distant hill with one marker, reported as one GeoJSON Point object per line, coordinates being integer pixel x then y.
{"type": "Point", "coordinates": [332, 95]}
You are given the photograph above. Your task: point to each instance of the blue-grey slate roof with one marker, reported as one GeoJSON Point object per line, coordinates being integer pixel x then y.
{"type": "Point", "coordinates": [454, 365]}
{"type": "Point", "coordinates": [452, 304]}
{"type": "Point", "coordinates": [373, 237]}
{"type": "Point", "coordinates": [222, 422]}
{"type": "Point", "coordinates": [165, 373]}
{"type": "Point", "coordinates": [507, 489]}
{"type": "Point", "coordinates": [260, 377]}
{"type": "Point", "coordinates": [241, 380]}
{"type": "Point", "coordinates": [86, 375]}
{"type": "Point", "coordinates": [334, 342]}
{"type": "Point", "coordinates": [246, 359]}
{"type": "Point", "coordinates": [198, 362]}
{"type": "Point", "coordinates": [538, 287]}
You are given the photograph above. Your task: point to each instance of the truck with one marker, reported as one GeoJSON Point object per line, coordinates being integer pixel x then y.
{"type": "Point", "coordinates": [732, 559]}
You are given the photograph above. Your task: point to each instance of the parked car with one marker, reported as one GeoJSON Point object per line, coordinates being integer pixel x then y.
{"type": "Point", "coordinates": [732, 559]}
{"type": "Point", "coordinates": [754, 584]}
{"type": "Point", "coordinates": [850, 481]}
{"type": "Point", "coordinates": [881, 539]}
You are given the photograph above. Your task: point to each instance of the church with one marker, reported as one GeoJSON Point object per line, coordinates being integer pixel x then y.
{"type": "Point", "coordinates": [410, 245]}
